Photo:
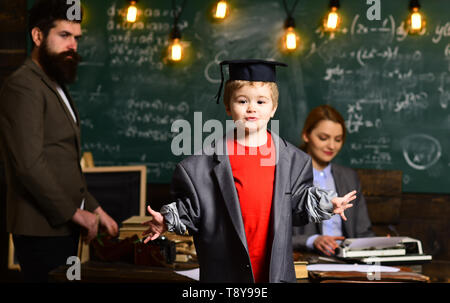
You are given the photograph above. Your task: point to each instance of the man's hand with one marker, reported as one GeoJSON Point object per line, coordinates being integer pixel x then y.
{"type": "Point", "coordinates": [341, 204]}
{"type": "Point", "coordinates": [327, 244]}
{"type": "Point", "coordinates": [106, 221]}
{"type": "Point", "coordinates": [156, 225]}
{"type": "Point", "coordinates": [88, 221]}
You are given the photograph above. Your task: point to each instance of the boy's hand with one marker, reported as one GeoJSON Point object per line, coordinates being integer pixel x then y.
{"type": "Point", "coordinates": [157, 226]}
{"type": "Point", "coordinates": [341, 204]}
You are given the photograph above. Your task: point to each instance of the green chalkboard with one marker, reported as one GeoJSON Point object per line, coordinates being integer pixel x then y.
{"type": "Point", "coordinates": [393, 89]}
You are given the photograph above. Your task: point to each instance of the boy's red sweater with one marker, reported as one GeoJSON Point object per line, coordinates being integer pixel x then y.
{"type": "Point", "coordinates": [254, 184]}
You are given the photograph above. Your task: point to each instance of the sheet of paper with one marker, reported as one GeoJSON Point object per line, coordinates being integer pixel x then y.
{"type": "Point", "coordinates": [191, 273]}
{"type": "Point", "coordinates": [351, 267]}
{"type": "Point", "coordinates": [377, 242]}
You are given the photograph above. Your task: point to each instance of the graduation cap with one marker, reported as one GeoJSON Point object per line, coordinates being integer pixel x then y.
{"type": "Point", "coordinates": [249, 70]}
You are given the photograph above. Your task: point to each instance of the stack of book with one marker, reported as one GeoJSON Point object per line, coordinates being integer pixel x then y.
{"type": "Point", "coordinates": [184, 243]}
{"type": "Point", "coordinates": [300, 269]}
{"type": "Point", "coordinates": [184, 246]}
{"type": "Point", "coordinates": [133, 226]}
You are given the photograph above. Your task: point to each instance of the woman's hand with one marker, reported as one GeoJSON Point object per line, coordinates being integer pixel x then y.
{"type": "Point", "coordinates": [327, 244]}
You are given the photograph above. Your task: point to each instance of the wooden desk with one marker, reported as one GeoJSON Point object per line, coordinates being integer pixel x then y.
{"type": "Point", "coordinates": [101, 272]}
{"type": "Point", "coordinates": [406, 273]}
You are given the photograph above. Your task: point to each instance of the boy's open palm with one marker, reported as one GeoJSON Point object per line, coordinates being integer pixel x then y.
{"type": "Point", "coordinates": [342, 203]}
{"type": "Point", "coordinates": [156, 225]}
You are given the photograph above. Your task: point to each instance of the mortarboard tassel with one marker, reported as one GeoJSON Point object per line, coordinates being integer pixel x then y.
{"type": "Point", "coordinates": [221, 83]}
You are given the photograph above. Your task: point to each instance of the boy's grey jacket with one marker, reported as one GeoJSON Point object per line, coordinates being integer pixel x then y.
{"type": "Point", "coordinates": [207, 203]}
{"type": "Point", "coordinates": [358, 222]}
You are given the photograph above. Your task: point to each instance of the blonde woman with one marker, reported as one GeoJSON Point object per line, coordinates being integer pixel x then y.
{"type": "Point", "coordinates": [323, 136]}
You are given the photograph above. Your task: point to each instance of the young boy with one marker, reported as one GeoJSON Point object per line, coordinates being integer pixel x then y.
{"type": "Point", "coordinates": [240, 209]}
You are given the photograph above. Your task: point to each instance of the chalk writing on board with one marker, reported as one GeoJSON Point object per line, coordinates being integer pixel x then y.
{"type": "Point", "coordinates": [156, 168]}
{"type": "Point", "coordinates": [371, 151]}
{"type": "Point", "coordinates": [355, 116]}
{"type": "Point", "coordinates": [387, 29]}
{"type": "Point", "coordinates": [406, 79]}
{"type": "Point", "coordinates": [397, 74]}
{"type": "Point", "coordinates": [137, 78]}
{"type": "Point", "coordinates": [102, 147]}
{"type": "Point", "coordinates": [337, 73]}
{"type": "Point", "coordinates": [360, 28]}
{"type": "Point", "coordinates": [97, 96]}
{"type": "Point", "coordinates": [421, 151]}
{"type": "Point", "coordinates": [364, 55]}
{"type": "Point", "coordinates": [149, 117]}
{"type": "Point", "coordinates": [412, 102]}
{"type": "Point", "coordinates": [401, 33]}
{"type": "Point", "coordinates": [133, 131]}
{"type": "Point", "coordinates": [213, 65]}
{"type": "Point", "coordinates": [87, 123]}
{"type": "Point", "coordinates": [322, 34]}
{"type": "Point", "coordinates": [441, 31]}
{"type": "Point", "coordinates": [139, 44]}
{"type": "Point", "coordinates": [158, 105]}
{"type": "Point", "coordinates": [146, 12]}
{"type": "Point", "coordinates": [143, 118]}
{"type": "Point", "coordinates": [444, 93]}
{"type": "Point", "coordinates": [406, 179]}
{"type": "Point", "coordinates": [90, 49]}
{"type": "Point", "coordinates": [376, 157]}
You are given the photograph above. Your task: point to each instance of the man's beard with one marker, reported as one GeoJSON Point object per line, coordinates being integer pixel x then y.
{"type": "Point", "coordinates": [59, 67]}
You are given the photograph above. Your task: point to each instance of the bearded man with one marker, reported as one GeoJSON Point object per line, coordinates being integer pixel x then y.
{"type": "Point", "coordinates": [48, 203]}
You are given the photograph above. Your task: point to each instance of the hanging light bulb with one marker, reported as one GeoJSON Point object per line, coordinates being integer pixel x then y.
{"type": "Point", "coordinates": [333, 19]}
{"type": "Point", "coordinates": [291, 38]}
{"type": "Point", "coordinates": [132, 11]}
{"type": "Point", "coordinates": [175, 47]}
{"type": "Point", "coordinates": [176, 50]}
{"type": "Point", "coordinates": [221, 10]}
{"type": "Point", "coordinates": [415, 20]}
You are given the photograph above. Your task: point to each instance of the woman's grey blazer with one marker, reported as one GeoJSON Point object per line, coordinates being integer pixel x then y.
{"type": "Point", "coordinates": [358, 222]}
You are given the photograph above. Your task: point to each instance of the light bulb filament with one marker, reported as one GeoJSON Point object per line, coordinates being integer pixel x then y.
{"type": "Point", "coordinates": [332, 20]}
{"type": "Point", "coordinates": [291, 39]}
{"type": "Point", "coordinates": [176, 50]}
{"type": "Point", "coordinates": [221, 10]}
{"type": "Point", "coordinates": [416, 21]}
{"type": "Point", "coordinates": [132, 12]}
